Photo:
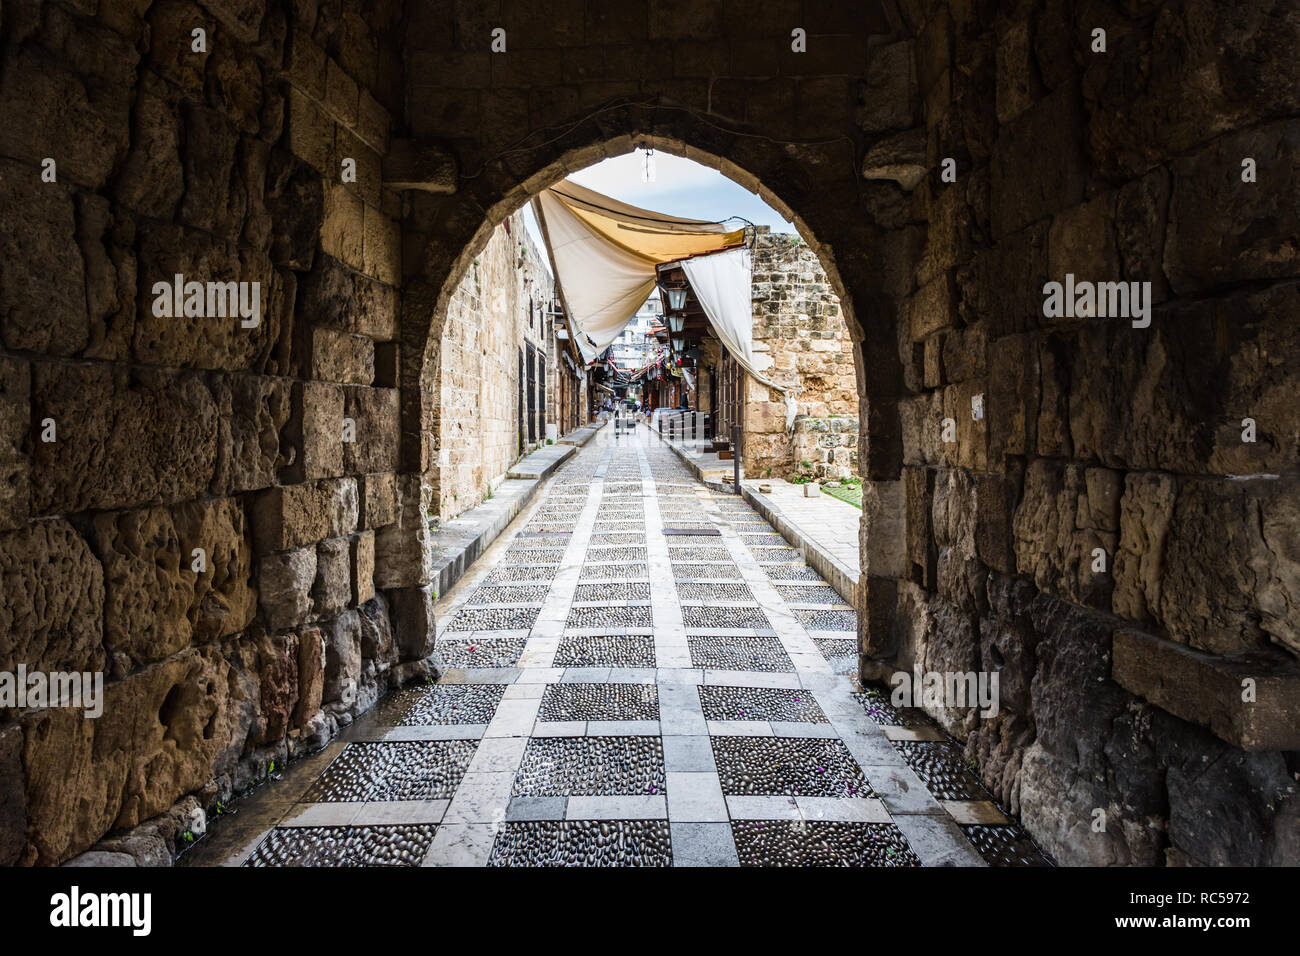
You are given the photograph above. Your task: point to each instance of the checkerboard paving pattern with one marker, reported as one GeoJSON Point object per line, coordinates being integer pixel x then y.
{"type": "Point", "coordinates": [638, 672]}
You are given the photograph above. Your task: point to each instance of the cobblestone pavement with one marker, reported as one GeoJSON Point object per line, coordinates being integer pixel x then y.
{"type": "Point", "coordinates": [638, 672]}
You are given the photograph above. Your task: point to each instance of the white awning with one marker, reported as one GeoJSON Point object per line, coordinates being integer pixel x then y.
{"type": "Point", "coordinates": [723, 285]}
{"type": "Point", "coordinates": [605, 252]}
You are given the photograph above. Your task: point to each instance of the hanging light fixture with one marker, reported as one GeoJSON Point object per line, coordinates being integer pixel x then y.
{"type": "Point", "coordinates": [676, 297]}
{"type": "Point", "coordinates": [676, 322]}
{"type": "Point", "coordinates": [679, 344]}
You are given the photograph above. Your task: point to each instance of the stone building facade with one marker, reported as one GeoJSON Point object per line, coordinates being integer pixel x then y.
{"type": "Point", "coordinates": [499, 365]}
{"type": "Point", "coordinates": [798, 324]}
{"type": "Point", "coordinates": [944, 160]}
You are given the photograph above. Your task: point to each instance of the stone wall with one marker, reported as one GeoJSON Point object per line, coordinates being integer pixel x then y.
{"type": "Point", "coordinates": [496, 311]}
{"type": "Point", "coordinates": [829, 446]}
{"type": "Point", "coordinates": [799, 326]}
{"type": "Point", "coordinates": [180, 510]}
{"type": "Point", "coordinates": [1094, 480]}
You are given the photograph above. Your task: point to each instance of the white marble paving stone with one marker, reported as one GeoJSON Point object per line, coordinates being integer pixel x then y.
{"type": "Point", "coordinates": [386, 812]}
{"type": "Point", "coordinates": [763, 808]}
{"type": "Point", "coordinates": [790, 728]}
{"type": "Point", "coordinates": [498, 754]}
{"type": "Point", "coordinates": [623, 728]}
{"type": "Point", "coordinates": [649, 806]}
{"type": "Point", "coordinates": [740, 728]}
{"type": "Point", "coordinates": [459, 844]}
{"type": "Point", "coordinates": [514, 718]}
{"type": "Point", "coordinates": [842, 809]}
{"type": "Point", "coordinates": [703, 844]}
{"type": "Point", "coordinates": [481, 798]}
{"type": "Point", "coordinates": [696, 798]}
{"type": "Point", "coordinates": [688, 754]}
{"type": "Point", "coordinates": [560, 728]}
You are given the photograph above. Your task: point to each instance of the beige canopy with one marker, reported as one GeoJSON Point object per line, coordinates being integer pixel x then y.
{"type": "Point", "coordinates": [605, 252]}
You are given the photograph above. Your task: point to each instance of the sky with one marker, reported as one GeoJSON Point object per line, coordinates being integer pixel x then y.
{"type": "Point", "coordinates": [681, 187]}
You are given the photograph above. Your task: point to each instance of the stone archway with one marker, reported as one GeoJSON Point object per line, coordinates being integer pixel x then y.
{"type": "Point", "coordinates": [424, 315]}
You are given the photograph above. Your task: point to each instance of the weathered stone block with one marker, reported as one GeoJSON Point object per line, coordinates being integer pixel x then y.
{"type": "Point", "coordinates": [311, 132]}
{"type": "Point", "coordinates": [378, 500]}
{"type": "Point", "coordinates": [1038, 163]}
{"type": "Point", "coordinates": [252, 447]}
{"type": "Point", "coordinates": [376, 631]}
{"type": "Point", "coordinates": [152, 180]}
{"type": "Point", "coordinates": [42, 279]}
{"type": "Point", "coordinates": [1210, 598]}
{"type": "Point", "coordinates": [362, 548]}
{"type": "Point", "coordinates": [1206, 689]}
{"type": "Point", "coordinates": [934, 307]}
{"type": "Point", "coordinates": [311, 675]}
{"type": "Point", "coordinates": [228, 341]}
{"type": "Point", "coordinates": [413, 621]}
{"type": "Point", "coordinates": [333, 588]}
{"type": "Point", "coordinates": [15, 458]}
{"type": "Point", "coordinates": [1015, 71]}
{"type": "Point", "coordinates": [1145, 511]}
{"type": "Point", "coordinates": [171, 44]}
{"type": "Point", "coordinates": [306, 62]}
{"type": "Point", "coordinates": [1082, 242]}
{"type": "Point", "coordinates": [376, 413]}
{"type": "Point", "coordinates": [900, 158]}
{"type": "Point", "coordinates": [125, 437]}
{"type": "Point", "coordinates": [315, 430]}
{"type": "Point", "coordinates": [210, 203]}
{"type": "Point", "coordinates": [340, 94]}
{"type": "Point", "coordinates": [52, 605]}
{"type": "Point", "coordinates": [1012, 405]}
{"type": "Point", "coordinates": [1222, 230]}
{"type": "Point", "coordinates": [1141, 214]}
{"type": "Point", "coordinates": [277, 670]}
{"type": "Point", "coordinates": [1002, 287]}
{"type": "Point", "coordinates": [156, 604]}
{"type": "Point", "coordinates": [296, 515]}
{"type": "Point", "coordinates": [383, 247]}
{"type": "Point", "coordinates": [1186, 76]}
{"type": "Point", "coordinates": [343, 230]}
{"type": "Point", "coordinates": [285, 583]}
{"type": "Point", "coordinates": [295, 201]}
{"type": "Point", "coordinates": [165, 732]}
{"type": "Point", "coordinates": [970, 450]}
{"type": "Point", "coordinates": [93, 125]}
{"type": "Point", "coordinates": [13, 800]}
{"type": "Point", "coordinates": [340, 357]}
{"type": "Point", "coordinates": [342, 658]}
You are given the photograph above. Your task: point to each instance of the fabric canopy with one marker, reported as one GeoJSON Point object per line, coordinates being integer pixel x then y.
{"type": "Point", "coordinates": [605, 253]}
{"type": "Point", "coordinates": [722, 284]}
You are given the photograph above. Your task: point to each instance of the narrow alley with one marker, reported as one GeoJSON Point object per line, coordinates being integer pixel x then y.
{"type": "Point", "coordinates": [638, 672]}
